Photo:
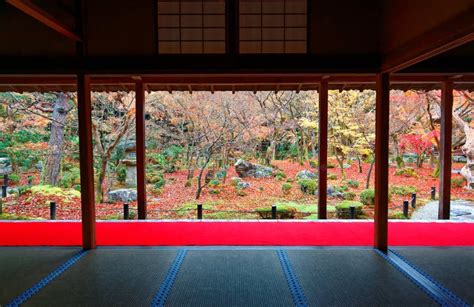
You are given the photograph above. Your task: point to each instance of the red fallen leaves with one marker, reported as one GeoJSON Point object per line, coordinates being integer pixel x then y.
{"type": "Point", "coordinates": [263, 192]}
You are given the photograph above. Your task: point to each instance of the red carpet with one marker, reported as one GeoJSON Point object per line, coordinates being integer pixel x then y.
{"type": "Point", "coordinates": [236, 233]}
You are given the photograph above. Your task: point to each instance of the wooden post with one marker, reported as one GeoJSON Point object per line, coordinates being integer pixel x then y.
{"type": "Point", "coordinates": [323, 150]}
{"type": "Point", "coordinates": [445, 151]}
{"type": "Point", "coordinates": [86, 161]}
{"type": "Point", "coordinates": [140, 141]}
{"type": "Point", "coordinates": [382, 117]}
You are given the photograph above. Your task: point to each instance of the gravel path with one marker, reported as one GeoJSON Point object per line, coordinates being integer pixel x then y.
{"type": "Point", "coordinates": [461, 210]}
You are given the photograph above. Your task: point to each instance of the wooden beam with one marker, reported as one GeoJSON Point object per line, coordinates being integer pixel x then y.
{"type": "Point", "coordinates": [445, 151]}
{"type": "Point", "coordinates": [448, 35]}
{"type": "Point", "coordinates": [382, 118]}
{"type": "Point", "coordinates": [86, 161]}
{"type": "Point", "coordinates": [140, 141]}
{"type": "Point", "coordinates": [42, 16]}
{"type": "Point", "coordinates": [323, 150]}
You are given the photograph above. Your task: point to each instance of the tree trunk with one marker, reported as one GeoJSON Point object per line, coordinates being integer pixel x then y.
{"type": "Point", "coordinates": [360, 164]}
{"type": "Point", "coordinates": [52, 167]}
{"type": "Point", "coordinates": [100, 182]}
{"type": "Point", "coordinates": [468, 149]}
{"type": "Point", "coordinates": [199, 180]}
{"type": "Point", "coordinates": [367, 183]}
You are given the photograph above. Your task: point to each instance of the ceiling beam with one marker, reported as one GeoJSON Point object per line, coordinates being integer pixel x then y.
{"type": "Point", "coordinates": [42, 16]}
{"type": "Point", "coordinates": [448, 35]}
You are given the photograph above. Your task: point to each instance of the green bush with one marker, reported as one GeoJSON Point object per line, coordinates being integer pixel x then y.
{"type": "Point", "coordinates": [343, 208]}
{"type": "Point", "coordinates": [308, 186]}
{"type": "Point", "coordinates": [156, 178]}
{"type": "Point", "coordinates": [290, 180]}
{"type": "Point", "coordinates": [286, 187]}
{"type": "Point", "coordinates": [349, 195]}
{"type": "Point", "coordinates": [398, 215]}
{"type": "Point", "coordinates": [403, 190]}
{"type": "Point", "coordinates": [23, 190]}
{"type": "Point", "coordinates": [214, 191]}
{"type": "Point", "coordinates": [121, 172]}
{"type": "Point", "coordinates": [458, 182]}
{"type": "Point", "coordinates": [235, 181]}
{"type": "Point", "coordinates": [241, 193]}
{"type": "Point", "coordinates": [313, 164]}
{"type": "Point", "coordinates": [367, 197]}
{"type": "Point", "coordinates": [400, 162]}
{"type": "Point", "coordinates": [353, 183]}
{"type": "Point", "coordinates": [283, 212]}
{"type": "Point", "coordinates": [214, 183]}
{"type": "Point", "coordinates": [407, 172]}
{"type": "Point", "coordinates": [342, 188]}
{"type": "Point", "coordinates": [331, 165]}
{"type": "Point", "coordinates": [14, 178]}
{"type": "Point", "coordinates": [332, 177]}
{"type": "Point", "coordinates": [279, 174]}
{"type": "Point", "coordinates": [70, 178]}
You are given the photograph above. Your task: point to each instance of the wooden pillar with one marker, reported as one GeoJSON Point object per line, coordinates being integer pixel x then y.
{"type": "Point", "coordinates": [445, 151]}
{"type": "Point", "coordinates": [86, 161]}
{"type": "Point", "coordinates": [382, 117]}
{"type": "Point", "coordinates": [323, 150]}
{"type": "Point", "coordinates": [140, 141]}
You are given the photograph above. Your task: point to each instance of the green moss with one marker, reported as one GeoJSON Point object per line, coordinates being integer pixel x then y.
{"type": "Point", "coordinates": [6, 216]}
{"type": "Point", "coordinates": [47, 190]}
{"type": "Point", "coordinates": [332, 177]}
{"type": "Point", "coordinates": [349, 195]}
{"type": "Point", "coordinates": [283, 212]}
{"type": "Point", "coordinates": [397, 216]}
{"type": "Point", "coordinates": [407, 172]}
{"type": "Point", "coordinates": [367, 197]}
{"type": "Point", "coordinates": [214, 191]}
{"type": "Point", "coordinates": [458, 182]}
{"type": "Point", "coordinates": [214, 183]}
{"type": "Point", "coordinates": [343, 208]}
{"type": "Point", "coordinates": [402, 190]}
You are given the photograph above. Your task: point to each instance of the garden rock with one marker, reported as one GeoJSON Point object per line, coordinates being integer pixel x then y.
{"type": "Point", "coordinates": [123, 195]}
{"type": "Point", "coordinates": [306, 174]}
{"type": "Point", "coordinates": [247, 169]}
{"type": "Point", "coordinates": [331, 192]}
{"type": "Point", "coordinates": [243, 185]}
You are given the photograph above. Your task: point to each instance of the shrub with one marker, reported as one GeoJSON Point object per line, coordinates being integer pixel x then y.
{"type": "Point", "coordinates": [157, 179]}
{"type": "Point", "coordinates": [406, 172]}
{"type": "Point", "coordinates": [214, 183]}
{"type": "Point", "coordinates": [342, 188]}
{"type": "Point", "coordinates": [402, 190]}
{"type": "Point", "coordinates": [332, 177]}
{"type": "Point", "coordinates": [458, 182]}
{"type": "Point", "coordinates": [47, 190]}
{"type": "Point", "coordinates": [283, 212]}
{"type": "Point", "coordinates": [331, 165]}
{"type": "Point", "coordinates": [70, 178]}
{"type": "Point", "coordinates": [400, 162]}
{"type": "Point", "coordinates": [367, 197]}
{"type": "Point", "coordinates": [188, 183]}
{"type": "Point", "coordinates": [313, 164]}
{"type": "Point", "coordinates": [353, 183]}
{"type": "Point", "coordinates": [235, 181]}
{"type": "Point", "coordinates": [214, 191]}
{"type": "Point", "coordinates": [308, 186]}
{"type": "Point", "coordinates": [261, 188]}
{"type": "Point", "coordinates": [398, 215]}
{"type": "Point", "coordinates": [349, 196]}
{"type": "Point", "coordinates": [23, 190]}
{"type": "Point", "coordinates": [286, 187]}
{"type": "Point", "coordinates": [121, 173]}
{"type": "Point", "coordinates": [14, 178]}
{"type": "Point", "coordinates": [343, 208]}
{"type": "Point", "coordinates": [279, 175]}
{"type": "Point", "coordinates": [290, 180]}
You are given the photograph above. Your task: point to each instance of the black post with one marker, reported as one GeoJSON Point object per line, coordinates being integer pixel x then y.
{"type": "Point", "coordinates": [4, 191]}
{"type": "Point", "coordinates": [199, 211]}
{"type": "Point", "coordinates": [274, 212]}
{"type": "Point", "coordinates": [405, 208]}
{"type": "Point", "coordinates": [5, 180]}
{"type": "Point", "coordinates": [352, 212]}
{"type": "Point", "coordinates": [433, 193]}
{"type": "Point", "coordinates": [413, 200]}
{"type": "Point", "coordinates": [52, 210]}
{"type": "Point", "coordinates": [126, 212]}
{"type": "Point", "coordinates": [1, 207]}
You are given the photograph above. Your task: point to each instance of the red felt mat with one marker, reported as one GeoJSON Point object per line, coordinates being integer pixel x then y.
{"type": "Point", "coordinates": [236, 233]}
